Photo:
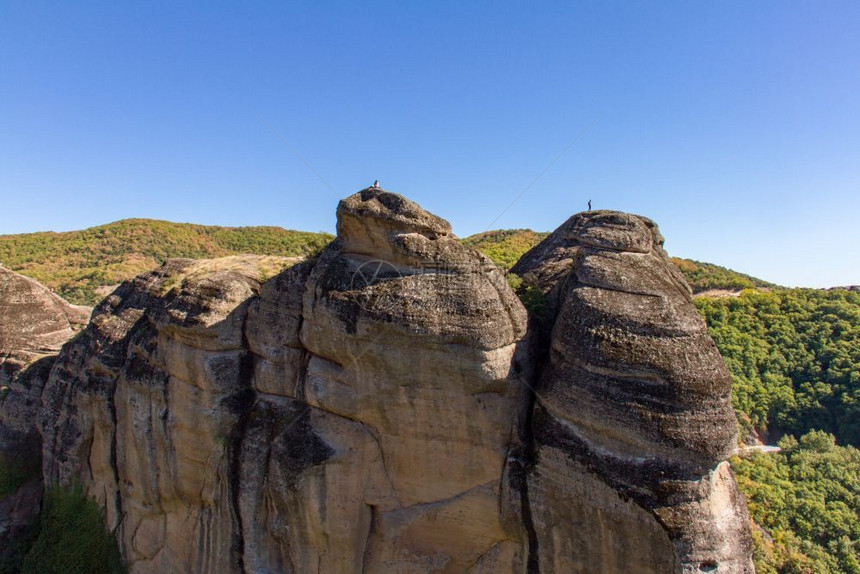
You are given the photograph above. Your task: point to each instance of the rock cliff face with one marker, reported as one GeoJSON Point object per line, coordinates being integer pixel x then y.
{"type": "Point", "coordinates": [34, 324]}
{"type": "Point", "coordinates": [385, 407]}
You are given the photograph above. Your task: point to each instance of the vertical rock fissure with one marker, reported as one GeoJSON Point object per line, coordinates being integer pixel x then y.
{"type": "Point", "coordinates": [246, 372]}
{"type": "Point", "coordinates": [538, 341]}
{"type": "Point", "coordinates": [114, 464]}
{"type": "Point", "coordinates": [525, 461]}
{"type": "Point", "coordinates": [369, 537]}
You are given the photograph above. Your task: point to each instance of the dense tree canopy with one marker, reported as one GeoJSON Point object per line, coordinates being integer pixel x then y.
{"type": "Point", "coordinates": [794, 355]}
{"type": "Point", "coordinates": [805, 505]}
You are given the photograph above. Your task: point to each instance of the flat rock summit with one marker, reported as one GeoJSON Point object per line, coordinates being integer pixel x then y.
{"type": "Point", "coordinates": [389, 406]}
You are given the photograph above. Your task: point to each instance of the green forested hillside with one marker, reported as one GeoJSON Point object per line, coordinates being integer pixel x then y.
{"type": "Point", "coordinates": [505, 246]}
{"type": "Point", "coordinates": [706, 276]}
{"type": "Point", "coordinates": [794, 355]}
{"type": "Point", "coordinates": [805, 505]}
{"type": "Point", "coordinates": [76, 263]}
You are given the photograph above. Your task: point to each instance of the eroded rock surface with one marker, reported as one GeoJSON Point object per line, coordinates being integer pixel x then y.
{"type": "Point", "coordinates": [372, 409]}
{"type": "Point", "coordinates": [352, 414]}
{"type": "Point", "coordinates": [634, 400]}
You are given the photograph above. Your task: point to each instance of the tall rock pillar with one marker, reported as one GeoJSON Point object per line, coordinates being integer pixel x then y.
{"type": "Point", "coordinates": [633, 419]}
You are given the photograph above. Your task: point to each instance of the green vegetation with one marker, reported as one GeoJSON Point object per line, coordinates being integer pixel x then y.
{"type": "Point", "coordinates": [505, 246]}
{"type": "Point", "coordinates": [794, 356]}
{"type": "Point", "coordinates": [533, 299]}
{"type": "Point", "coordinates": [81, 265]}
{"type": "Point", "coordinates": [805, 505]}
{"type": "Point", "coordinates": [76, 264]}
{"type": "Point", "coordinates": [72, 538]}
{"type": "Point", "coordinates": [706, 276]}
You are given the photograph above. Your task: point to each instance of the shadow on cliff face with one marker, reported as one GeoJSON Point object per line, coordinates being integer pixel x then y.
{"type": "Point", "coordinates": [20, 460]}
{"type": "Point", "coordinates": [143, 409]}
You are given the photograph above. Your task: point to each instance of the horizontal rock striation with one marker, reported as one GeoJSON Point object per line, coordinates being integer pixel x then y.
{"type": "Point", "coordinates": [389, 407]}
{"type": "Point", "coordinates": [635, 402]}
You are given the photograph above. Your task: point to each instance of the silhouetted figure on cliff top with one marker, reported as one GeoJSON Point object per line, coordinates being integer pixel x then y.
{"type": "Point", "coordinates": [375, 184]}
{"type": "Point", "coordinates": [589, 205]}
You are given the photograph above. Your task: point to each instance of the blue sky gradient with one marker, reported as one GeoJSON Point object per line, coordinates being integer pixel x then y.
{"type": "Point", "coordinates": [735, 125]}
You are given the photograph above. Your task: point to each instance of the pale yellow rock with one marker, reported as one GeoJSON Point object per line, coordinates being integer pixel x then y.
{"type": "Point", "coordinates": [147, 405]}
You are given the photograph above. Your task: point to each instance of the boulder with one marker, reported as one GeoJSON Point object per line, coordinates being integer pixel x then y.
{"type": "Point", "coordinates": [34, 322]}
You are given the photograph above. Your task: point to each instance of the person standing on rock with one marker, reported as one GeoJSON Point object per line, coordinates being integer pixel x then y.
{"type": "Point", "coordinates": [589, 205]}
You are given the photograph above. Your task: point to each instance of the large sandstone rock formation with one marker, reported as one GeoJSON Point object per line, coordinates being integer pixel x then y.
{"type": "Point", "coordinates": [146, 408]}
{"type": "Point", "coordinates": [374, 409]}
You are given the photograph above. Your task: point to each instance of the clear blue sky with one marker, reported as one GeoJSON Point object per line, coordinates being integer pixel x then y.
{"type": "Point", "coordinates": [735, 125]}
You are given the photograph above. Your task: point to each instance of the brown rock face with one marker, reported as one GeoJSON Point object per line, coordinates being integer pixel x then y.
{"type": "Point", "coordinates": [354, 413]}
{"type": "Point", "coordinates": [371, 410]}
{"type": "Point", "coordinates": [634, 401]}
